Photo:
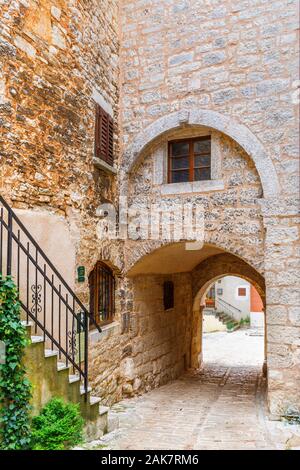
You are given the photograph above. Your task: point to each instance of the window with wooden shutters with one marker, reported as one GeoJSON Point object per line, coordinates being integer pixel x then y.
{"type": "Point", "coordinates": [168, 295]}
{"type": "Point", "coordinates": [104, 136]}
{"type": "Point", "coordinates": [102, 294]}
{"type": "Point", "coordinates": [189, 160]}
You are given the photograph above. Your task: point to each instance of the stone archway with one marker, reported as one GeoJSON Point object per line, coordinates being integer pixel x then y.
{"type": "Point", "coordinates": [171, 339]}
{"type": "Point", "coordinates": [207, 118]}
{"type": "Point", "coordinates": [225, 264]}
{"type": "Point", "coordinates": [208, 271]}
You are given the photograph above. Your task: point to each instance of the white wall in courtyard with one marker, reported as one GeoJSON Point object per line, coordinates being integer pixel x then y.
{"type": "Point", "coordinates": [229, 286]}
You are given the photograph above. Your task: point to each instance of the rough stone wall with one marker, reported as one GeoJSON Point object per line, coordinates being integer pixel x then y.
{"type": "Point", "coordinates": [54, 54]}
{"type": "Point", "coordinates": [161, 339]}
{"type": "Point", "coordinates": [109, 349]}
{"type": "Point", "coordinates": [239, 58]}
{"type": "Point", "coordinates": [154, 349]}
{"type": "Point", "coordinates": [282, 252]}
{"type": "Point", "coordinates": [233, 220]}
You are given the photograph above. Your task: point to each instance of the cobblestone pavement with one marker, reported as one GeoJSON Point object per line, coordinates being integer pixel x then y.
{"type": "Point", "coordinates": [221, 406]}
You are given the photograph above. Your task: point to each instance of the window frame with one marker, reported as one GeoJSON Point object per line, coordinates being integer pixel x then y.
{"type": "Point", "coordinates": [104, 135]}
{"type": "Point", "coordinates": [244, 289]}
{"type": "Point", "coordinates": [102, 273]}
{"type": "Point", "coordinates": [191, 156]}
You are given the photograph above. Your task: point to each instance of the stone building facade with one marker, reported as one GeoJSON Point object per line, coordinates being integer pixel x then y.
{"type": "Point", "coordinates": [58, 59]}
{"type": "Point", "coordinates": [165, 70]}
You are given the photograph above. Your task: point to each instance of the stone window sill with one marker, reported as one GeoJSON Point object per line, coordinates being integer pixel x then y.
{"type": "Point", "coordinates": [107, 330]}
{"type": "Point", "coordinates": [192, 188]}
{"type": "Point", "coordinates": [102, 165]}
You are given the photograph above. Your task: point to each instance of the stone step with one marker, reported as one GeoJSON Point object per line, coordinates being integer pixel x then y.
{"type": "Point", "coordinates": [62, 366]}
{"type": "Point", "coordinates": [95, 400]}
{"type": "Point", "coordinates": [65, 383]}
{"type": "Point", "coordinates": [225, 319]}
{"type": "Point", "coordinates": [82, 391]}
{"type": "Point", "coordinates": [74, 378]}
{"type": "Point", "coordinates": [37, 339]}
{"type": "Point", "coordinates": [103, 410]}
{"type": "Point", "coordinates": [50, 353]}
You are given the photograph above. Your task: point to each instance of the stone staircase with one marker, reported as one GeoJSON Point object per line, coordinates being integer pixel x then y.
{"type": "Point", "coordinates": [52, 378]}
{"type": "Point", "coordinates": [225, 318]}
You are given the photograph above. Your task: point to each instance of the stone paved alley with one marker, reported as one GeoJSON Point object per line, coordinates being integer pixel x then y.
{"type": "Point", "coordinates": [220, 407]}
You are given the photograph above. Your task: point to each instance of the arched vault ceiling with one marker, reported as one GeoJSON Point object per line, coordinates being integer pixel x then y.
{"type": "Point", "coordinates": [173, 258]}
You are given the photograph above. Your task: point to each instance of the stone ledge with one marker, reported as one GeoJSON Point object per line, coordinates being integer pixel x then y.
{"type": "Point", "coordinates": [102, 165]}
{"type": "Point", "coordinates": [107, 330]}
{"type": "Point", "coordinates": [195, 187]}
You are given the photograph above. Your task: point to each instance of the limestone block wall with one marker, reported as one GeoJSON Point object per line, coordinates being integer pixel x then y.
{"type": "Point", "coordinates": [161, 339]}
{"type": "Point", "coordinates": [55, 56]}
{"type": "Point", "coordinates": [237, 58]}
{"type": "Point", "coordinates": [283, 307]}
{"type": "Point", "coordinates": [233, 218]}
{"type": "Point", "coordinates": [155, 346]}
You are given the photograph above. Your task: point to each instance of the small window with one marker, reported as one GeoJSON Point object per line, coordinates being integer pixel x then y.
{"type": "Point", "coordinates": [168, 295]}
{"type": "Point", "coordinates": [189, 160]}
{"type": "Point", "coordinates": [242, 291]}
{"type": "Point", "coordinates": [220, 291]}
{"type": "Point", "coordinates": [102, 294]}
{"type": "Point", "coordinates": [104, 136]}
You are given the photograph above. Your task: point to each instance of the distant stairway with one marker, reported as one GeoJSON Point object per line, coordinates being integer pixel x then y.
{"type": "Point", "coordinates": [226, 314]}
{"type": "Point", "coordinates": [228, 320]}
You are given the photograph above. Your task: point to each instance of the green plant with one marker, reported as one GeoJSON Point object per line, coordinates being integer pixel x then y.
{"type": "Point", "coordinates": [15, 388]}
{"type": "Point", "coordinates": [229, 325]}
{"type": "Point", "coordinates": [58, 427]}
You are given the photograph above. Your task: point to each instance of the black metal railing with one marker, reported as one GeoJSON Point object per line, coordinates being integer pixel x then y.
{"type": "Point", "coordinates": [46, 298]}
{"type": "Point", "coordinates": [227, 307]}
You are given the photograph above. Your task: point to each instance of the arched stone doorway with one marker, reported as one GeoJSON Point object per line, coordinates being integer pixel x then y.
{"type": "Point", "coordinates": [167, 342]}
{"type": "Point", "coordinates": [207, 272]}
{"type": "Point", "coordinates": [244, 215]}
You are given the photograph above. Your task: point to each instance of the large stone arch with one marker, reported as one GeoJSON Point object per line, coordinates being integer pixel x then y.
{"type": "Point", "coordinates": [222, 265]}
{"type": "Point", "coordinates": [225, 124]}
{"type": "Point", "coordinates": [137, 251]}
{"type": "Point", "coordinates": [207, 272]}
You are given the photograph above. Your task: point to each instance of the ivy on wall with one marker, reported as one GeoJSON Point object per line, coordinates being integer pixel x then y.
{"type": "Point", "coordinates": [15, 388]}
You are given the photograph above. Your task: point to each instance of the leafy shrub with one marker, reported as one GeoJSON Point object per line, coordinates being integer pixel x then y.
{"type": "Point", "coordinates": [15, 388]}
{"type": "Point", "coordinates": [229, 325]}
{"type": "Point", "coordinates": [58, 427]}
